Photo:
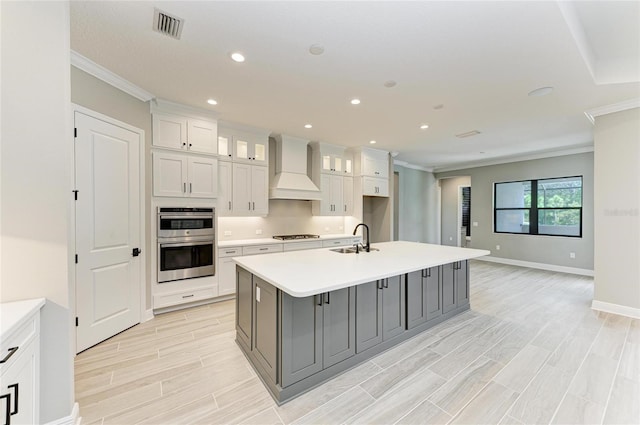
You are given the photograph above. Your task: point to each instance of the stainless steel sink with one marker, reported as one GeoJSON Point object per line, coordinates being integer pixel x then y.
{"type": "Point", "coordinates": [351, 250]}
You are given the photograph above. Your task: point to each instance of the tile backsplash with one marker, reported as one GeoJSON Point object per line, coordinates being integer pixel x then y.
{"type": "Point", "coordinates": [285, 217]}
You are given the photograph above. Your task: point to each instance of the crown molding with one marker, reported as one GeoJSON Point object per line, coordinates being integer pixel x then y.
{"type": "Point", "coordinates": [507, 160]}
{"type": "Point", "coordinates": [166, 106]}
{"type": "Point", "coordinates": [610, 109]}
{"type": "Point", "coordinates": [405, 164]}
{"type": "Point", "coordinates": [102, 73]}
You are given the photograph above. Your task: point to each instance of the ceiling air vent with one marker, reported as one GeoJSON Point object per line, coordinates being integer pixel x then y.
{"type": "Point", "coordinates": [167, 24]}
{"type": "Point", "coordinates": [468, 134]}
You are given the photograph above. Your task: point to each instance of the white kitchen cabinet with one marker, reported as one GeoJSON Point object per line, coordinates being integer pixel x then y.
{"type": "Point", "coordinates": [250, 190]}
{"type": "Point", "coordinates": [20, 367]}
{"type": "Point", "coordinates": [184, 176]}
{"type": "Point", "coordinates": [251, 149]}
{"type": "Point", "coordinates": [331, 190]}
{"type": "Point", "coordinates": [225, 189]}
{"type": "Point", "coordinates": [372, 186]}
{"type": "Point", "coordinates": [347, 195]}
{"type": "Point", "coordinates": [227, 270]}
{"type": "Point", "coordinates": [186, 134]}
{"type": "Point", "coordinates": [331, 159]}
{"type": "Point", "coordinates": [224, 147]}
{"type": "Point", "coordinates": [375, 163]}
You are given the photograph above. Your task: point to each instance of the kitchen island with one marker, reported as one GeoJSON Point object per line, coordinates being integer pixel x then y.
{"type": "Point", "coordinates": [304, 317]}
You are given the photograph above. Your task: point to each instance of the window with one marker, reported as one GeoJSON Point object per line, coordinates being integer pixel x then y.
{"type": "Point", "coordinates": [539, 207]}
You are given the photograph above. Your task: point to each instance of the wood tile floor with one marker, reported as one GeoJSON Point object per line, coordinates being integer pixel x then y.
{"type": "Point", "coordinates": [530, 351]}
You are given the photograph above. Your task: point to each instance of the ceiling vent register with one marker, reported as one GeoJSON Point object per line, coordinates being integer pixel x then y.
{"type": "Point", "coordinates": [167, 24]}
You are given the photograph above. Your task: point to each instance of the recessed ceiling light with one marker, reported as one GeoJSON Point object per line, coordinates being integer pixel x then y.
{"type": "Point", "coordinates": [424, 126]}
{"type": "Point", "coordinates": [355, 101]}
{"type": "Point", "coordinates": [373, 142]}
{"type": "Point", "coordinates": [390, 84]}
{"type": "Point", "coordinates": [212, 102]}
{"type": "Point", "coordinates": [316, 49]}
{"type": "Point", "coordinates": [308, 126]}
{"type": "Point", "coordinates": [542, 91]}
{"type": "Point", "coordinates": [237, 56]}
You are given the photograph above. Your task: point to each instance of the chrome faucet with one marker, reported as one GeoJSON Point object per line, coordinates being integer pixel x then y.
{"type": "Point", "coordinates": [367, 246]}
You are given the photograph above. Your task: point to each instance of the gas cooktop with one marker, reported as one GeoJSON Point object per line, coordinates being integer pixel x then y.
{"type": "Point", "coordinates": [290, 237]}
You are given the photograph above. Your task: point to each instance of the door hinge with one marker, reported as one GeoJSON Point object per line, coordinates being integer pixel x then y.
{"type": "Point", "coordinates": [75, 132]}
{"type": "Point", "coordinates": [76, 258]}
{"type": "Point", "coordinates": [76, 321]}
{"type": "Point", "coordinates": [75, 194]}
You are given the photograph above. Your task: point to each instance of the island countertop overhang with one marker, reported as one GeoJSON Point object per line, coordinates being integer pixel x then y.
{"type": "Point", "coordinates": [312, 272]}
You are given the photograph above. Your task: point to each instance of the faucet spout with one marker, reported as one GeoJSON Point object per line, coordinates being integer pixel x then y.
{"type": "Point", "coordinates": [367, 246]}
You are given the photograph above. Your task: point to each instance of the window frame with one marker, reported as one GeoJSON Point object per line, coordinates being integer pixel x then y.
{"type": "Point", "coordinates": [534, 209]}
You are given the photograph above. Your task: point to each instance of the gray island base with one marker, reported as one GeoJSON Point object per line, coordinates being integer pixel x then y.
{"type": "Point", "coordinates": [296, 343]}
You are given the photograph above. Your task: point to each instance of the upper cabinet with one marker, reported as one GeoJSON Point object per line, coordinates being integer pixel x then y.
{"type": "Point", "coordinates": [331, 171]}
{"type": "Point", "coordinates": [185, 134]}
{"type": "Point", "coordinates": [375, 163]}
{"type": "Point", "coordinates": [243, 170]}
{"type": "Point", "coordinates": [243, 144]}
{"type": "Point", "coordinates": [372, 166]}
{"type": "Point", "coordinates": [184, 176]}
{"type": "Point", "coordinates": [332, 159]}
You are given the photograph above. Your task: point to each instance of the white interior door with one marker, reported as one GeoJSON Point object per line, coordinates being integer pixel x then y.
{"type": "Point", "coordinates": [108, 275]}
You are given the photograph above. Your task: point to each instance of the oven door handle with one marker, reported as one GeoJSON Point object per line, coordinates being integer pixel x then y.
{"type": "Point", "coordinates": [180, 244]}
{"type": "Point", "coordinates": [186, 217]}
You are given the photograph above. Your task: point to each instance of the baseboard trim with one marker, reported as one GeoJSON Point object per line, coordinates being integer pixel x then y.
{"type": "Point", "coordinates": [73, 419]}
{"type": "Point", "coordinates": [622, 310]}
{"type": "Point", "coordinates": [541, 266]}
{"type": "Point", "coordinates": [148, 315]}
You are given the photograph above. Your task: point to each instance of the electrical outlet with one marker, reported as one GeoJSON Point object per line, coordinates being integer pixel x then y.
{"type": "Point", "coordinates": [227, 232]}
{"type": "Point", "coordinates": [450, 238]}
{"type": "Point", "coordinates": [258, 231]}
{"type": "Point", "coordinates": [475, 224]}
{"type": "Point", "coordinates": [497, 247]}
{"type": "Point", "coordinates": [572, 255]}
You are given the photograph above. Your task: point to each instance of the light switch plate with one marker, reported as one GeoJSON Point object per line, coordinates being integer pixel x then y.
{"type": "Point", "coordinates": [227, 232]}
{"type": "Point", "coordinates": [258, 231]}
{"type": "Point", "coordinates": [475, 224]}
{"type": "Point", "coordinates": [257, 293]}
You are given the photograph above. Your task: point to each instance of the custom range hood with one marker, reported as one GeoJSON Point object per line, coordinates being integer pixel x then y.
{"type": "Point", "coordinates": [289, 161]}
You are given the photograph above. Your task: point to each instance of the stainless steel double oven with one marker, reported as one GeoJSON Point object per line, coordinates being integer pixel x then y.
{"type": "Point", "coordinates": [186, 243]}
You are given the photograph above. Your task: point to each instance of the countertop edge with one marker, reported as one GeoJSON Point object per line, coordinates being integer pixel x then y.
{"type": "Point", "coordinates": [469, 254]}
{"type": "Point", "coordinates": [269, 241]}
{"type": "Point", "coordinates": [14, 313]}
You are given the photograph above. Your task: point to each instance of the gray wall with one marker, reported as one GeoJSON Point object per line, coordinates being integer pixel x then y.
{"type": "Point", "coordinates": [538, 249]}
{"type": "Point", "coordinates": [449, 188]}
{"type": "Point", "coordinates": [417, 205]}
{"type": "Point", "coordinates": [36, 184]}
{"type": "Point", "coordinates": [95, 94]}
{"type": "Point", "coordinates": [617, 205]}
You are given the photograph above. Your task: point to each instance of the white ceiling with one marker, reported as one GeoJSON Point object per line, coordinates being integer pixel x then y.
{"type": "Point", "coordinates": [478, 59]}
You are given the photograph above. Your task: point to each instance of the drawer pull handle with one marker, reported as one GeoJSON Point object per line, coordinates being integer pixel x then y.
{"type": "Point", "coordinates": [11, 351]}
{"type": "Point", "coordinates": [264, 249]}
{"type": "Point", "coordinates": [14, 411]}
{"type": "Point", "coordinates": [7, 397]}
{"type": "Point", "coordinates": [229, 252]}
{"type": "Point", "coordinates": [187, 296]}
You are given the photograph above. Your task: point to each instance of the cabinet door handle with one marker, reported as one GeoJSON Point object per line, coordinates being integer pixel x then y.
{"type": "Point", "coordinates": [184, 187]}
{"type": "Point", "coordinates": [319, 298]}
{"type": "Point", "coordinates": [345, 208]}
{"type": "Point", "coordinates": [386, 283]}
{"type": "Point", "coordinates": [7, 418]}
{"type": "Point", "coordinates": [254, 206]}
{"type": "Point", "coordinates": [379, 284]}
{"type": "Point", "coordinates": [229, 205]}
{"type": "Point", "coordinates": [187, 296]}
{"type": "Point", "coordinates": [14, 411]}
{"type": "Point", "coordinates": [190, 187]}
{"type": "Point", "coordinates": [249, 205]}
{"type": "Point", "coordinates": [11, 351]}
{"type": "Point", "coordinates": [328, 300]}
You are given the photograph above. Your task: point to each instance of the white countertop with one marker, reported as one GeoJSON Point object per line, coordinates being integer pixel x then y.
{"type": "Point", "coordinates": [13, 313]}
{"type": "Point", "coordinates": [311, 272]}
{"type": "Point", "coordinates": [265, 241]}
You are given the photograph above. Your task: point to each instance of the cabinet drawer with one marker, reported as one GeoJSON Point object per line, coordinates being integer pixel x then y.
{"type": "Point", "coordinates": [261, 249]}
{"type": "Point", "coordinates": [298, 246]}
{"type": "Point", "coordinates": [230, 252]}
{"type": "Point", "coordinates": [166, 300]}
{"type": "Point", "coordinates": [20, 339]}
{"type": "Point", "coordinates": [339, 242]}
